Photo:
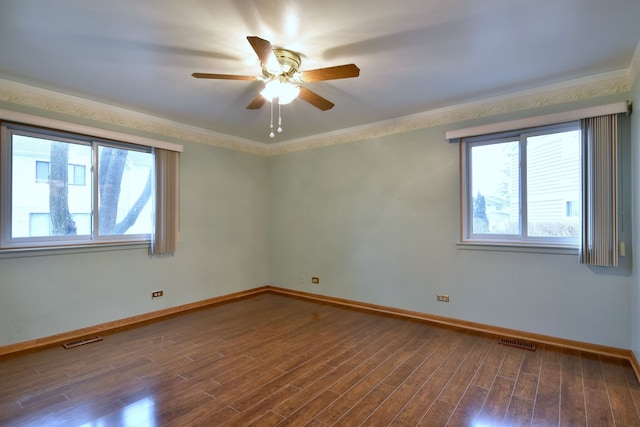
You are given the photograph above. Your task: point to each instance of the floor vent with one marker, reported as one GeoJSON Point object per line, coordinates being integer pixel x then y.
{"type": "Point", "coordinates": [82, 341]}
{"type": "Point", "coordinates": [519, 344]}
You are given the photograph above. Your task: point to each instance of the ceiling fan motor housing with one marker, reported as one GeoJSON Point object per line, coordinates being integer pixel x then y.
{"type": "Point", "coordinates": [290, 61]}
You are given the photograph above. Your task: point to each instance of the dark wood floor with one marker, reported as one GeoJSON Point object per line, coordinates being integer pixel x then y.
{"type": "Point", "coordinates": [274, 360]}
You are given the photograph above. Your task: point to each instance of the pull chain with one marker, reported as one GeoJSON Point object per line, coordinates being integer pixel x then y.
{"type": "Point", "coordinates": [271, 134]}
{"type": "Point", "coordinates": [279, 130]}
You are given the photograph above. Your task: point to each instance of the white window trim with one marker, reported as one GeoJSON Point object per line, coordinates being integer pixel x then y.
{"type": "Point", "coordinates": [71, 249]}
{"type": "Point", "coordinates": [59, 125]}
{"type": "Point", "coordinates": [536, 121]}
{"type": "Point", "coordinates": [514, 247]}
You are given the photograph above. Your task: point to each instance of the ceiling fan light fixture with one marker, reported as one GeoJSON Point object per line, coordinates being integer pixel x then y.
{"type": "Point", "coordinates": [288, 92]}
{"type": "Point", "coordinates": [271, 89]}
{"type": "Point", "coordinates": [284, 91]}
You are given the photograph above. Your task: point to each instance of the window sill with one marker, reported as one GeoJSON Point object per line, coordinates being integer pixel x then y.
{"type": "Point", "coordinates": [516, 247]}
{"type": "Point", "coordinates": [71, 249]}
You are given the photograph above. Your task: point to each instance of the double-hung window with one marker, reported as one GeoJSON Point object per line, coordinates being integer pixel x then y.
{"type": "Point", "coordinates": [60, 189]}
{"type": "Point", "coordinates": [523, 187]}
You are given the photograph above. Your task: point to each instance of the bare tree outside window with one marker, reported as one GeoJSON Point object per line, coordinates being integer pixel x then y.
{"type": "Point", "coordinates": [110, 172]}
{"type": "Point", "coordinates": [62, 222]}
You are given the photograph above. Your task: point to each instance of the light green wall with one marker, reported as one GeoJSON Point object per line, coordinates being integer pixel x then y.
{"type": "Point", "coordinates": [223, 249]}
{"type": "Point", "coordinates": [378, 222]}
{"type": "Point", "coordinates": [635, 187]}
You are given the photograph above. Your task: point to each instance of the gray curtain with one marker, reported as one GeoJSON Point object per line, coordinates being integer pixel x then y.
{"type": "Point", "coordinates": [599, 245]}
{"type": "Point", "coordinates": [167, 183]}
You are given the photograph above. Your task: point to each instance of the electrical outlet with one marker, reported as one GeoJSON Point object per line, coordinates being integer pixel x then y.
{"type": "Point", "coordinates": [443, 298]}
{"type": "Point", "coordinates": [302, 279]}
{"type": "Point", "coordinates": [156, 294]}
{"type": "Point", "coordinates": [315, 280]}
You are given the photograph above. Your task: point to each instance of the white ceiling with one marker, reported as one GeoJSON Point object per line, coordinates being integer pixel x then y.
{"type": "Point", "coordinates": [414, 55]}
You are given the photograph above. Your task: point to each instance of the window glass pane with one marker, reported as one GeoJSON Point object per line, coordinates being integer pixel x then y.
{"type": "Point", "coordinates": [42, 171]}
{"type": "Point", "coordinates": [124, 191]}
{"type": "Point", "coordinates": [76, 175]}
{"type": "Point", "coordinates": [495, 195]}
{"type": "Point", "coordinates": [39, 224]}
{"type": "Point", "coordinates": [553, 185]}
{"type": "Point", "coordinates": [79, 174]}
{"type": "Point", "coordinates": [47, 206]}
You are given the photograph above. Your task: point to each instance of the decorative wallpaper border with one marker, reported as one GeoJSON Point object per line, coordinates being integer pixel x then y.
{"type": "Point", "coordinates": [575, 90]}
{"type": "Point", "coordinates": [634, 67]}
{"type": "Point", "coordinates": [46, 101]}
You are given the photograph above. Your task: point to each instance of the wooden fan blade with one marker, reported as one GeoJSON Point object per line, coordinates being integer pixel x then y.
{"type": "Point", "coordinates": [222, 76]}
{"type": "Point", "coordinates": [264, 50]}
{"type": "Point", "coordinates": [315, 99]}
{"type": "Point", "coordinates": [257, 102]}
{"type": "Point", "coordinates": [331, 73]}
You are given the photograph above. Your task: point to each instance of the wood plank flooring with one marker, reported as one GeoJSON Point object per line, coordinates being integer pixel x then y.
{"type": "Point", "coordinates": [273, 360]}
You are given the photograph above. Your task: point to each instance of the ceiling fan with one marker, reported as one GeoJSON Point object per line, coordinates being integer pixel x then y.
{"type": "Point", "coordinates": [283, 78]}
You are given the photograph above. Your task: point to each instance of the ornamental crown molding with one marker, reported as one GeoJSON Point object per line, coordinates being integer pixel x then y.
{"type": "Point", "coordinates": [611, 83]}
{"type": "Point", "coordinates": [634, 68]}
{"type": "Point", "coordinates": [46, 102]}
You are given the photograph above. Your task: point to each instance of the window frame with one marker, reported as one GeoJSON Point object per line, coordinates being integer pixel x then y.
{"type": "Point", "coordinates": [8, 243]}
{"type": "Point", "coordinates": [521, 239]}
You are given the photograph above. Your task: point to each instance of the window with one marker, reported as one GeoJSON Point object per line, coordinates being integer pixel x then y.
{"type": "Point", "coordinates": [522, 187]}
{"type": "Point", "coordinates": [86, 190]}
{"type": "Point", "coordinates": [42, 172]}
{"type": "Point", "coordinates": [573, 208]}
